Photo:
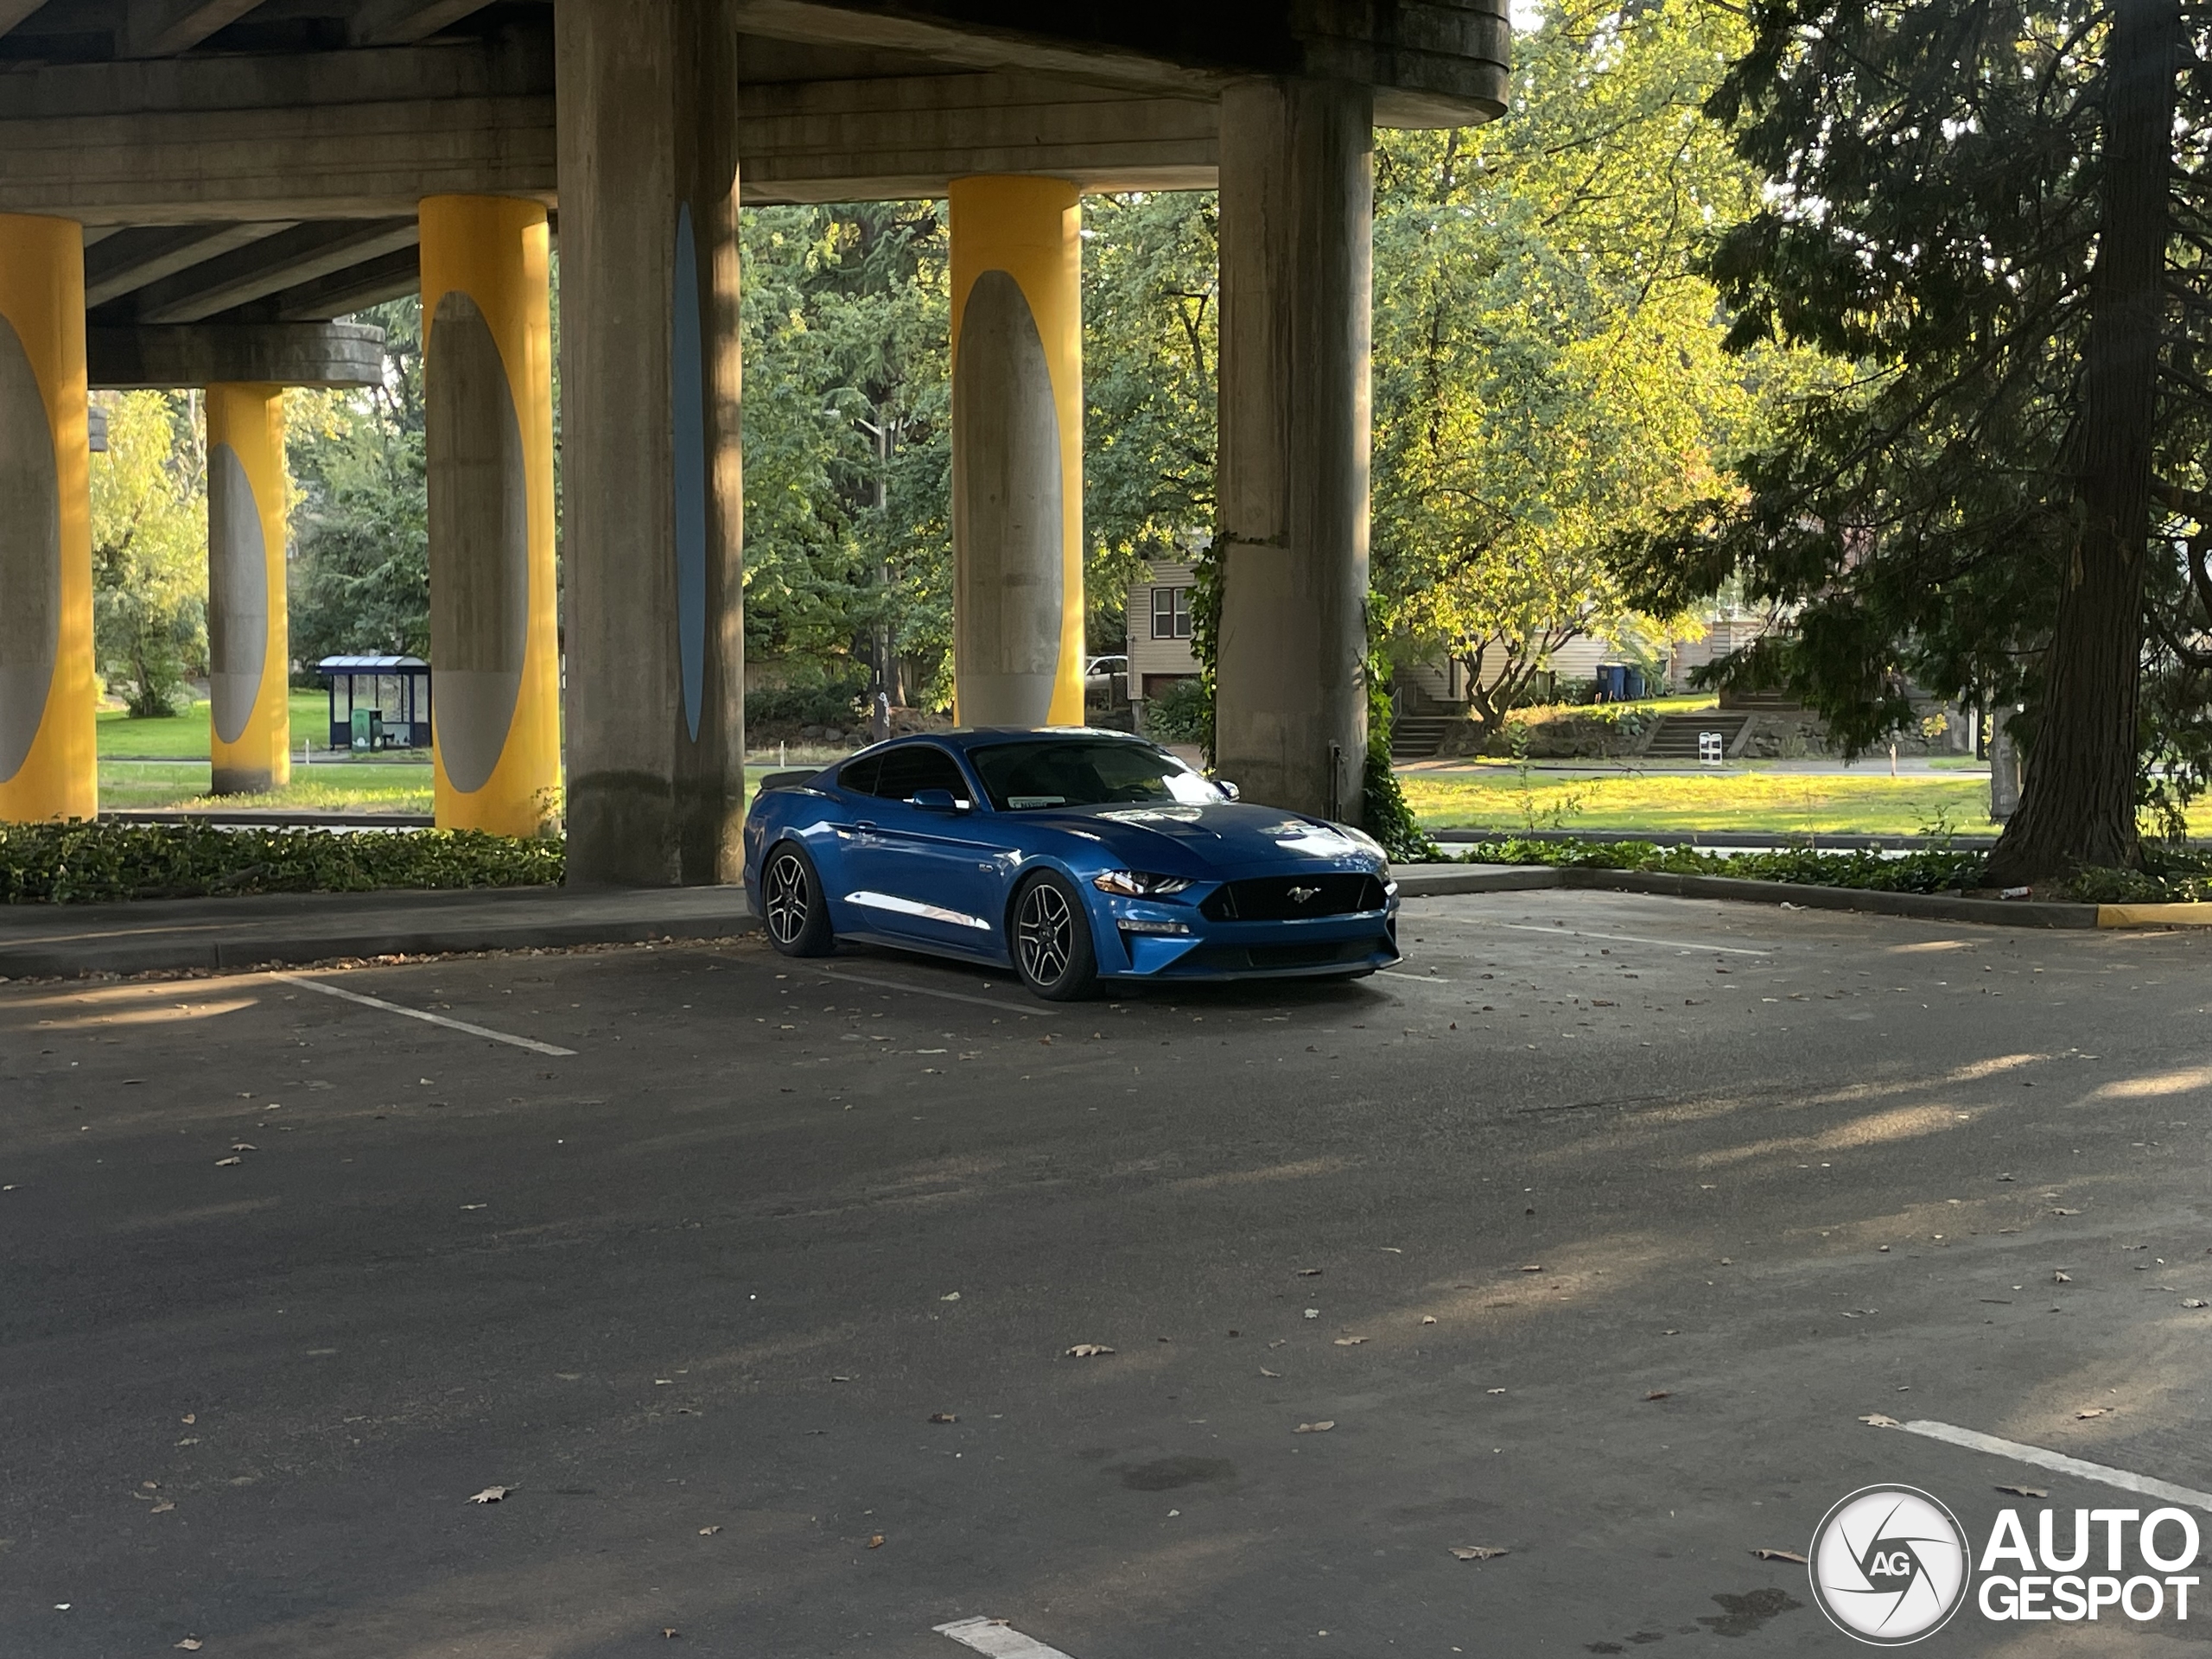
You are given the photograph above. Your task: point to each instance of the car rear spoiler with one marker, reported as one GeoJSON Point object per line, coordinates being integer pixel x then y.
{"type": "Point", "coordinates": [785, 780]}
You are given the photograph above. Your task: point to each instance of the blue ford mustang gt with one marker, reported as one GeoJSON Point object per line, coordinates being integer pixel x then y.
{"type": "Point", "coordinates": [1075, 856]}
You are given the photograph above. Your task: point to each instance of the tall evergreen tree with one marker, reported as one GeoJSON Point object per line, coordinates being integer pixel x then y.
{"type": "Point", "coordinates": [1993, 210]}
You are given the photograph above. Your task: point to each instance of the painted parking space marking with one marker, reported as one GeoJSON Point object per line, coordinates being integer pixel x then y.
{"type": "Point", "coordinates": [1576, 933]}
{"type": "Point", "coordinates": [1418, 979]}
{"type": "Point", "coordinates": [450, 1023]}
{"type": "Point", "coordinates": [997, 1638]}
{"type": "Point", "coordinates": [929, 990]}
{"type": "Point", "coordinates": [2059, 1463]}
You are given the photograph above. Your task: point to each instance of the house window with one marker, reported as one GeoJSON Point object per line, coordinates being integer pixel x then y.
{"type": "Point", "coordinates": [1170, 612]}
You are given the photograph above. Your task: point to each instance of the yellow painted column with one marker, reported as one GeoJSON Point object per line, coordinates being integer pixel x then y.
{"type": "Point", "coordinates": [1017, 452]}
{"type": "Point", "coordinates": [249, 650]}
{"type": "Point", "coordinates": [48, 765]}
{"type": "Point", "coordinates": [494, 639]}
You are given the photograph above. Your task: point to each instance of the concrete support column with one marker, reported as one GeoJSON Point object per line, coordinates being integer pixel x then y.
{"type": "Point", "coordinates": [249, 650]}
{"type": "Point", "coordinates": [1017, 452]}
{"type": "Point", "coordinates": [48, 768]}
{"type": "Point", "coordinates": [1296, 203]}
{"type": "Point", "coordinates": [488, 351]}
{"type": "Point", "coordinates": [654, 518]}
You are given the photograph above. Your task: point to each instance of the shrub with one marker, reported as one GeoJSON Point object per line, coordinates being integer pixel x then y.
{"type": "Point", "coordinates": [83, 862]}
{"type": "Point", "coordinates": [1179, 714]}
{"type": "Point", "coordinates": [804, 705]}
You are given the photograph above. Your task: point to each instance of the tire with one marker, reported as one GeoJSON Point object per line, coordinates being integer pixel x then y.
{"type": "Point", "coordinates": [1050, 941]}
{"type": "Point", "coordinates": [793, 908]}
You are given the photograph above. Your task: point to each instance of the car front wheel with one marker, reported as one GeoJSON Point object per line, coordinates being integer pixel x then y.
{"type": "Point", "coordinates": [1052, 940]}
{"type": "Point", "coordinates": [797, 915]}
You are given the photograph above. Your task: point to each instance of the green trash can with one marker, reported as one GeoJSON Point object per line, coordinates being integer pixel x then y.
{"type": "Point", "coordinates": [368, 728]}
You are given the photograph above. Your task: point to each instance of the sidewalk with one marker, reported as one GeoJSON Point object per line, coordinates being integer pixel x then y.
{"type": "Point", "coordinates": [168, 934]}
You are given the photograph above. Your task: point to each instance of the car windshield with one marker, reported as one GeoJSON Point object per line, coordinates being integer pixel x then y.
{"type": "Point", "coordinates": [1085, 772]}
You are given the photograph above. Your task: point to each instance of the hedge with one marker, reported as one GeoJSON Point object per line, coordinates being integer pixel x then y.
{"type": "Point", "coordinates": [81, 862]}
{"type": "Point", "coordinates": [2172, 875]}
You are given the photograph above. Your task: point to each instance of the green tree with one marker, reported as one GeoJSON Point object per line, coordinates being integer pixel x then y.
{"type": "Point", "coordinates": [1550, 366]}
{"type": "Point", "coordinates": [847, 445]}
{"type": "Point", "coordinates": [1995, 214]}
{"type": "Point", "coordinates": [150, 548]}
{"type": "Point", "coordinates": [1151, 294]}
{"type": "Point", "coordinates": [360, 577]}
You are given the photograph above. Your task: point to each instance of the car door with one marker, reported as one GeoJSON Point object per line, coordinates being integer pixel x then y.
{"type": "Point", "coordinates": [915, 872]}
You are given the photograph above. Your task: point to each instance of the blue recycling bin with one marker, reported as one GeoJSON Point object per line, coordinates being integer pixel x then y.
{"type": "Point", "coordinates": [1632, 683]}
{"type": "Point", "coordinates": [1612, 683]}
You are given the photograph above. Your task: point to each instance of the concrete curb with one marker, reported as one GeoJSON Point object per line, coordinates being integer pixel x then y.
{"type": "Point", "coordinates": [2154, 915]}
{"type": "Point", "coordinates": [1434, 881]}
{"type": "Point", "coordinates": [226, 935]}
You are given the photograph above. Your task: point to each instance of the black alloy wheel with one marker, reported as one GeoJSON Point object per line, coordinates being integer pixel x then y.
{"type": "Point", "coordinates": [1052, 940]}
{"type": "Point", "coordinates": [790, 895]}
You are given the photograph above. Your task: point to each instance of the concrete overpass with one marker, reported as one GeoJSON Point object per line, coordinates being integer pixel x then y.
{"type": "Point", "coordinates": [193, 190]}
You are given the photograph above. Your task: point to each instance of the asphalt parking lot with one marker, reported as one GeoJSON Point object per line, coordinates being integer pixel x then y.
{"type": "Point", "coordinates": [1590, 1234]}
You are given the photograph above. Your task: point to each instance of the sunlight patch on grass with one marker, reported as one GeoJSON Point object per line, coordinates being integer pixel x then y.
{"type": "Point", "coordinates": [1795, 803]}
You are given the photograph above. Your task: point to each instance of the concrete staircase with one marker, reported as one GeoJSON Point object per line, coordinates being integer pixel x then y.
{"type": "Point", "coordinates": [1418, 737]}
{"type": "Point", "coordinates": [1675, 738]}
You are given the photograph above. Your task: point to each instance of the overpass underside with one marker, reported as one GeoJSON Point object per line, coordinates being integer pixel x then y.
{"type": "Point", "coordinates": [192, 192]}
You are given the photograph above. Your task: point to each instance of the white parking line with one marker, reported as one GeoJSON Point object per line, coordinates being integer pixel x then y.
{"type": "Point", "coordinates": [992, 1636]}
{"type": "Point", "coordinates": [2059, 1464]}
{"type": "Point", "coordinates": [1576, 933]}
{"type": "Point", "coordinates": [931, 990]}
{"type": "Point", "coordinates": [368, 1001]}
{"type": "Point", "coordinates": [1417, 979]}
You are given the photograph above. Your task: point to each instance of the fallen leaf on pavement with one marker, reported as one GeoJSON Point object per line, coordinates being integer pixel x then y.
{"type": "Point", "coordinates": [1312, 1313]}
{"type": "Point", "coordinates": [224, 1163]}
{"type": "Point", "coordinates": [190, 1644]}
{"type": "Point", "coordinates": [1349, 1342]}
{"type": "Point", "coordinates": [162, 1508]}
{"type": "Point", "coordinates": [1309, 1273]}
{"type": "Point", "coordinates": [2024, 1491]}
{"type": "Point", "coordinates": [490, 1495]}
{"type": "Point", "coordinates": [2062, 1277]}
{"type": "Point", "coordinates": [667, 1635]}
{"type": "Point", "coordinates": [1478, 1552]}
{"type": "Point", "coordinates": [2066, 1212]}
{"type": "Point", "coordinates": [2194, 1301]}
{"type": "Point", "coordinates": [189, 1417]}
{"type": "Point", "coordinates": [1533, 1267]}
{"type": "Point", "coordinates": [1264, 1371]}
{"type": "Point", "coordinates": [1429, 1319]}
{"type": "Point", "coordinates": [1781, 1555]}
{"type": "Point", "coordinates": [1660, 1394]}
{"type": "Point", "coordinates": [709, 1532]}
{"type": "Point", "coordinates": [1494, 1390]}
{"type": "Point", "coordinates": [943, 1417]}
{"type": "Point", "coordinates": [1088, 1350]}
{"type": "Point", "coordinates": [1876, 1419]}
{"type": "Point", "coordinates": [244, 1146]}
{"type": "Point", "coordinates": [1321, 1427]}
{"type": "Point", "coordinates": [875, 1541]}
{"type": "Point", "coordinates": [2087, 1412]}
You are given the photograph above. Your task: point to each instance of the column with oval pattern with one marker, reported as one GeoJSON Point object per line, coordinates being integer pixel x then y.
{"type": "Point", "coordinates": [249, 726]}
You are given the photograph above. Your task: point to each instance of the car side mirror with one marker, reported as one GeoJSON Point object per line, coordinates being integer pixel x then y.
{"type": "Point", "coordinates": [935, 800]}
{"type": "Point", "coordinates": [1228, 789]}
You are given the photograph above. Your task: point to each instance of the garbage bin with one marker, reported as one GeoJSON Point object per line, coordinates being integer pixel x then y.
{"type": "Point", "coordinates": [1612, 683]}
{"type": "Point", "coordinates": [1632, 683]}
{"type": "Point", "coordinates": [367, 730]}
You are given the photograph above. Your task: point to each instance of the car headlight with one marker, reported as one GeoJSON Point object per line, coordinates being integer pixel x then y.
{"type": "Point", "coordinates": [1366, 843]}
{"type": "Point", "coordinates": [1138, 883]}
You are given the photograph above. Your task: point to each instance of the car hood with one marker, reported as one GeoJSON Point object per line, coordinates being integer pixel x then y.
{"type": "Point", "coordinates": [1222, 838]}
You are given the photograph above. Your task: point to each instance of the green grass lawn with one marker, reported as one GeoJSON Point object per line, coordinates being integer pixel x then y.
{"type": "Point", "coordinates": [1788, 802]}
{"type": "Point", "coordinates": [163, 763]}
{"type": "Point", "coordinates": [184, 736]}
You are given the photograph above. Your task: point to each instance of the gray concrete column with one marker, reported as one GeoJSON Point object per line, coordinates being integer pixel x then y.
{"type": "Point", "coordinates": [651, 470]}
{"type": "Point", "coordinates": [1297, 202]}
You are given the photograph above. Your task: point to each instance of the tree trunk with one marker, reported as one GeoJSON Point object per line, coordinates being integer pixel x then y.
{"type": "Point", "coordinates": [2079, 805]}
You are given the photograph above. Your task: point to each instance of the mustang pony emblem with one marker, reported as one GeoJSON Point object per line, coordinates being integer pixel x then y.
{"type": "Point", "coordinates": [1299, 895]}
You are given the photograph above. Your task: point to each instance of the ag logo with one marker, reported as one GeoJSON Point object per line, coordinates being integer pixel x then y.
{"type": "Point", "coordinates": [1888, 1565]}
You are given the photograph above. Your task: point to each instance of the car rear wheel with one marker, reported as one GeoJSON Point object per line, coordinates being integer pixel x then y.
{"type": "Point", "coordinates": [1052, 940]}
{"type": "Point", "coordinates": [797, 915]}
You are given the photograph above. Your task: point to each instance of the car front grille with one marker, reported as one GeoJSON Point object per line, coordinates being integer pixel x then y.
{"type": "Point", "coordinates": [1293, 897]}
{"type": "Point", "coordinates": [1277, 959]}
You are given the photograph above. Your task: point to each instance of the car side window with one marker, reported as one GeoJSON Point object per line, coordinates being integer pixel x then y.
{"type": "Point", "coordinates": [859, 775]}
{"type": "Point", "coordinates": [916, 767]}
